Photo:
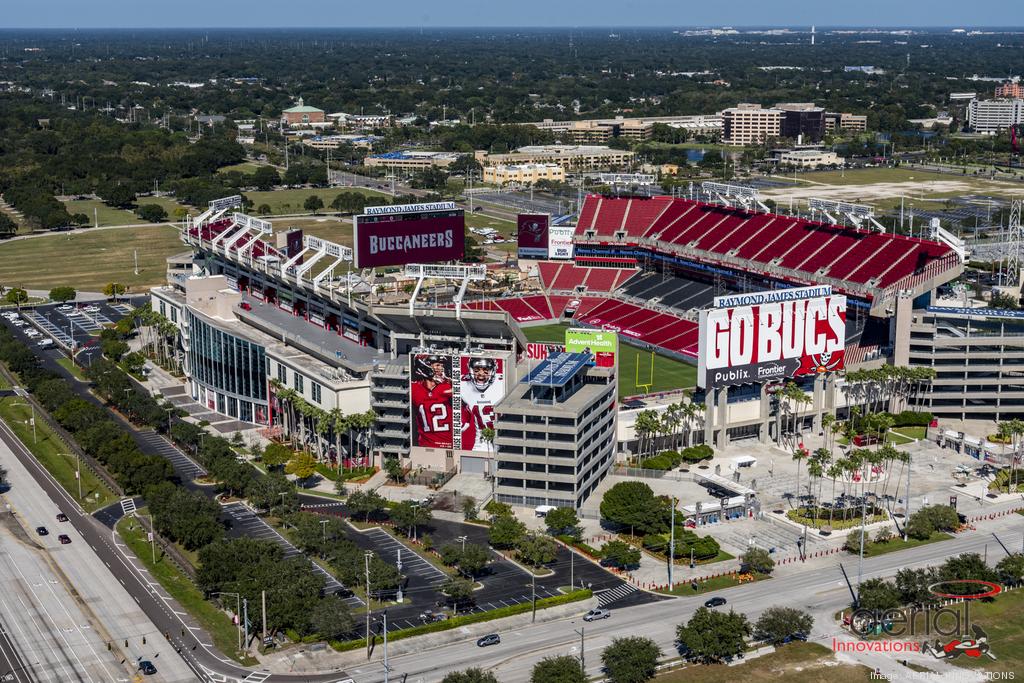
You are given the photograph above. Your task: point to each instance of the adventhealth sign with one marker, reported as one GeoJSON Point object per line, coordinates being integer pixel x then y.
{"type": "Point", "coordinates": [768, 336]}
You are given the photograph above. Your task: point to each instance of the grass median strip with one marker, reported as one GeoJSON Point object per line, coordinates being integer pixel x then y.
{"type": "Point", "coordinates": [467, 619]}
{"type": "Point", "coordinates": [213, 621]}
{"type": "Point", "coordinates": [713, 584]}
{"type": "Point", "coordinates": [70, 366]}
{"type": "Point", "coordinates": [874, 548]}
{"type": "Point", "coordinates": [52, 454]}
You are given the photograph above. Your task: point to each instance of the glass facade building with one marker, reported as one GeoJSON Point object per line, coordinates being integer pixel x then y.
{"type": "Point", "coordinates": [230, 366]}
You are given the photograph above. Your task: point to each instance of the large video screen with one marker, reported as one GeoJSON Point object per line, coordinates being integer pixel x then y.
{"type": "Point", "coordinates": [771, 336]}
{"type": "Point", "coordinates": [532, 230]}
{"type": "Point", "coordinates": [401, 238]}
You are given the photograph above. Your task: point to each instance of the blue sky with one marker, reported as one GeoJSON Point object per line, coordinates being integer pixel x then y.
{"type": "Point", "coordinates": [401, 13]}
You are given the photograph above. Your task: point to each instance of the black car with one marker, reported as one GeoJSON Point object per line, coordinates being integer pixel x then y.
{"type": "Point", "coordinates": [146, 667]}
{"type": "Point", "coordinates": [61, 517]}
{"type": "Point", "coordinates": [715, 602]}
{"type": "Point", "coordinates": [634, 404]}
{"type": "Point", "coordinates": [42, 531]}
{"type": "Point", "coordinates": [491, 639]}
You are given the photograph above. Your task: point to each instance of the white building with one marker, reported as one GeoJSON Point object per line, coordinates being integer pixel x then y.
{"type": "Point", "coordinates": [992, 116]}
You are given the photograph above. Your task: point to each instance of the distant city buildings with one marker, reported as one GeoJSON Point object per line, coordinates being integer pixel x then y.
{"type": "Point", "coordinates": [523, 173]}
{"type": "Point", "coordinates": [992, 116]}
{"type": "Point", "coordinates": [301, 114]}
{"type": "Point", "coordinates": [411, 160]}
{"type": "Point", "coordinates": [1010, 90]}
{"type": "Point", "coordinates": [571, 157]}
{"type": "Point", "coordinates": [751, 124]}
{"type": "Point", "coordinates": [808, 157]}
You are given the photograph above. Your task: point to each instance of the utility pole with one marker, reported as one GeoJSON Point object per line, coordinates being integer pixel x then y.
{"type": "Point", "coordinates": [387, 669]}
{"type": "Point", "coordinates": [672, 543]}
{"type": "Point", "coordinates": [583, 657]}
{"type": "Point", "coordinates": [152, 536]}
{"type": "Point", "coordinates": [399, 596]}
{"type": "Point", "coordinates": [369, 602]}
{"type": "Point", "coordinates": [263, 609]}
{"type": "Point", "coordinates": [572, 568]}
{"type": "Point", "coordinates": [533, 591]}
{"type": "Point", "coordinates": [135, 254]}
{"type": "Point", "coordinates": [906, 507]}
{"type": "Point", "coordinates": [78, 474]}
{"type": "Point", "coordinates": [245, 621]}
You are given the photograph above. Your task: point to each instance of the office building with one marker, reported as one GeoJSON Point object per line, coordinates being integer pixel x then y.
{"type": "Point", "coordinates": [570, 157]}
{"type": "Point", "coordinates": [751, 124]}
{"type": "Point", "coordinates": [992, 116]}
{"type": "Point", "coordinates": [523, 173]}
{"type": "Point", "coordinates": [301, 114]}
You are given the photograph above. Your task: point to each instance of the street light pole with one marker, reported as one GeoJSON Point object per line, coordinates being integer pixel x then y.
{"type": "Point", "coordinates": [533, 591]}
{"type": "Point", "coordinates": [672, 542]}
{"type": "Point", "coordinates": [583, 656]}
{"type": "Point", "coordinates": [369, 601]}
{"type": "Point", "coordinates": [238, 613]}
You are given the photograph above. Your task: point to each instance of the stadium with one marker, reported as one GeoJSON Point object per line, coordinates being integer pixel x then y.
{"type": "Point", "coordinates": [675, 281]}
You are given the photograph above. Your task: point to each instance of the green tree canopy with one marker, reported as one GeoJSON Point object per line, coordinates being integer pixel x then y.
{"type": "Point", "coordinates": [63, 294]}
{"type": "Point", "coordinates": [631, 660]}
{"type": "Point", "coordinates": [711, 636]}
{"type": "Point", "coordinates": [562, 669]}
{"type": "Point", "coordinates": [778, 623]}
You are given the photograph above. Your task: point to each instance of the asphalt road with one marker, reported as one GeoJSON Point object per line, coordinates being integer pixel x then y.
{"type": "Point", "coordinates": [819, 591]}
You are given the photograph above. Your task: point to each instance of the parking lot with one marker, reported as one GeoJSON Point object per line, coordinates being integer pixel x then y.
{"type": "Point", "coordinates": [244, 522]}
{"type": "Point", "coordinates": [185, 467]}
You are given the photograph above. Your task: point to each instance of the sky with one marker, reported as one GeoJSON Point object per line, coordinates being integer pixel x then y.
{"type": "Point", "coordinates": [512, 13]}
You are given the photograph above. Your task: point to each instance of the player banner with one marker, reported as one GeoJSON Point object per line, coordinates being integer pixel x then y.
{"type": "Point", "coordinates": [532, 230]}
{"type": "Point", "coordinates": [770, 336]}
{"type": "Point", "coordinates": [453, 399]}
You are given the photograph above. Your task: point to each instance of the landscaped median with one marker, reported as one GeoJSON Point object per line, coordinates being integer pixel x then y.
{"type": "Point", "coordinates": [52, 453]}
{"type": "Point", "coordinates": [711, 583]}
{"type": "Point", "coordinates": [180, 587]}
{"type": "Point", "coordinates": [467, 619]}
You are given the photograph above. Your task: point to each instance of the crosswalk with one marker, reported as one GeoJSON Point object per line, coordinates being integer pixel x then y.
{"type": "Point", "coordinates": [607, 597]}
{"type": "Point", "coordinates": [256, 677]}
{"type": "Point", "coordinates": [127, 506]}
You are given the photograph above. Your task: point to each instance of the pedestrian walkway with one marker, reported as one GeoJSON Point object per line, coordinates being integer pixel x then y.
{"type": "Point", "coordinates": [247, 523]}
{"type": "Point", "coordinates": [609, 597]}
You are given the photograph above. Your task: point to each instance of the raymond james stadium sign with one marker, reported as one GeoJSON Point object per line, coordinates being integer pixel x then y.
{"type": "Point", "coordinates": [408, 208]}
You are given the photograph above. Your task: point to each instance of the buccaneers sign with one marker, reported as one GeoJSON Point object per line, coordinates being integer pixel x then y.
{"type": "Point", "coordinates": [769, 336]}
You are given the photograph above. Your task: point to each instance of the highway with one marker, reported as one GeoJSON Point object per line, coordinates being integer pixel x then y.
{"type": "Point", "coordinates": [187, 652]}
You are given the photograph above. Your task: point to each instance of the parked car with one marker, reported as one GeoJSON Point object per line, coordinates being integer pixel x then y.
{"type": "Point", "coordinates": [65, 308]}
{"type": "Point", "coordinates": [490, 639]}
{"type": "Point", "coordinates": [42, 531]}
{"type": "Point", "coordinates": [44, 342]}
{"type": "Point", "coordinates": [430, 616]}
{"type": "Point", "coordinates": [715, 602]}
{"type": "Point", "coordinates": [146, 667]}
{"type": "Point", "coordinates": [633, 405]}
{"type": "Point", "coordinates": [595, 614]}
{"type": "Point", "coordinates": [61, 517]}
{"type": "Point", "coordinates": [64, 539]}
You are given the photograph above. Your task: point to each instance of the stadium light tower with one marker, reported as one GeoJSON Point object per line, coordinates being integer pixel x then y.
{"type": "Point", "coordinates": [1015, 257]}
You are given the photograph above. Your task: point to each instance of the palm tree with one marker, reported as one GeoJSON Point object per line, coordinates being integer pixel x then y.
{"type": "Point", "coordinates": [799, 454]}
{"type": "Point", "coordinates": [646, 425]}
{"type": "Point", "coordinates": [835, 470]}
{"type": "Point", "coordinates": [815, 469]}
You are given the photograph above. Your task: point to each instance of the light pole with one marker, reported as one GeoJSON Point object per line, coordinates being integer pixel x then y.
{"type": "Point", "coordinates": [32, 420]}
{"type": "Point", "coordinates": [78, 472]}
{"type": "Point", "coordinates": [672, 542]}
{"type": "Point", "coordinates": [323, 525]}
{"type": "Point", "coordinates": [462, 539]}
{"type": "Point", "coordinates": [169, 410]}
{"type": "Point", "coordinates": [369, 602]}
{"type": "Point", "coordinates": [238, 613]}
{"type": "Point", "coordinates": [533, 593]}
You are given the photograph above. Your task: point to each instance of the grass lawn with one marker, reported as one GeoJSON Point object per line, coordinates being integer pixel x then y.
{"type": "Point", "coordinates": [715, 584]}
{"type": "Point", "coordinates": [213, 620]}
{"type": "Point", "coordinates": [106, 215]}
{"type": "Point", "coordinates": [903, 435]}
{"type": "Point", "coordinates": [68, 365]}
{"type": "Point", "coordinates": [668, 374]}
{"type": "Point", "coordinates": [168, 203]}
{"type": "Point", "coordinates": [326, 227]}
{"type": "Point", "coordinates": [89, 261]}
{"type": "Point", "coordinates": [52, 453]}
{"type": "Point", "coordinates": [246, 167]}
{"type": "Point", "coordinates": [795, 662]}
{"type": "Point", "coordinates": [291, 200]}
{"type": "Point", "coordinates": [871, 549]}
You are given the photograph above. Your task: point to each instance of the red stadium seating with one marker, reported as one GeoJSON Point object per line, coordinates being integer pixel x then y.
{"type": "Point", "coordinates": [802, 246]}
{"type": "Point", "coordinates": [566, 277]}
{"type": "Point", "coordinates": [643, 324]}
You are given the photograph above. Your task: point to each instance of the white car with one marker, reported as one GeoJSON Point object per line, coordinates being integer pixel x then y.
{"type": "Point", "coordinates": [18, 323]}
{"type": "Point", "coordinates": [65, 308]}
{"type": "Point", "coordinates": [44, 342]}
{"type": "Point", "coordinates": [92, 309]}
{"type": "Point", "coordinates": [31, 332]}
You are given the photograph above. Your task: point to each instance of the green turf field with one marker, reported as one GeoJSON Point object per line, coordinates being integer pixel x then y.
{"type": "Point", "coordinates": [88, 261]}
{"type": "Point", "coordinates": [290, 201]}
{"type": "Point", "coordinates": [668, 374]}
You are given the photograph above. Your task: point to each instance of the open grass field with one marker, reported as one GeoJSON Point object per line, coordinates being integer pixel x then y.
{"type": "Point", "coordinates": [106, 215]}
{"type": "Point", "coordinates": [52, 453]}
{"type": "Point", "coordinates": [290, 201]}
{"type": "Point", "coordinates": [668, 374]}
{"type": "Point", "coordinates": [90, 260]}
{"type": "Point", "coordinates": [795, 662]}
{"type": "Point", "coordinates": [169, 204]}
{"type": "Point", "coordinates": [246, 167]}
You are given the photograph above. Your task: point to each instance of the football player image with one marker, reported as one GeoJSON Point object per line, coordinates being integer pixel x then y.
{"type": "Point", "coordinates": [482, 387]}
{"type": "Point", "coordinates": [431, 397]}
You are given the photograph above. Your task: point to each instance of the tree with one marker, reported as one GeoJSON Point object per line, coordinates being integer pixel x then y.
{"type": "Point", "coordinates": [152, 213]}
{"type": "Point", "coordinates": [470, 676]}
{"type": "Point", "coordinates": [331, 618]}
{"type": "Point", "coordinates": [407, 516]}
{"type": "Point", "coordinates": [878, 594]}
{"type": "Point", "coordinates": [633, 504]}
{"type": "Point", "coordinates": [265, 492]}
{"type": "Point", "coordinates": [505, 532]}
{"type": "Point", "coordinates": [778, 623]}
{"type": "Point", "coordinates": [473, 559]}
{"type": "Point", "coordinates": [8, 228]}
{"type": "Point", "coordinates": [302, 465]}
{"type": "Point", "coordinates": [117, 195]}
{"type": "Point", "coordinates": [536, 550]}
{"type": "Point", "coordinates": [63, 294]}
{"type": "Point", "coordinates": [1010, 568]}
{"type": "Point", "coordinates": [563, 521]}
{"type": "Point", "coordinates": [711, 636]}
{"type": "Point", "coordinates": [563, 669]}
{"type": "Point", "coordinates": [313, 203]}
{"type": "Point", "coordinates": [458, 591]}
{"type": "Point", "coordinates": [275, 455]}
{"type": "Point", "coordinates": [620, 554]}
{"type": "Point", "coordinates": [631, 660]}
{"type": "Point", "coordinates": [265, 178]}
{"type": "Point", "coordinates": [16, 295]}
{"type": "Point", "coordinates": [469, 511]}
{"type": "Point", "coordinates": [394, 469]}
{"type": "Point", "coordinates": [114, 289]}
{"type": "Point", "coordinates": [263, 209]}
{"type": "Point", "coordinates": [758, 560]}
{"type": "Point", "coordinates": [366, 503]}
